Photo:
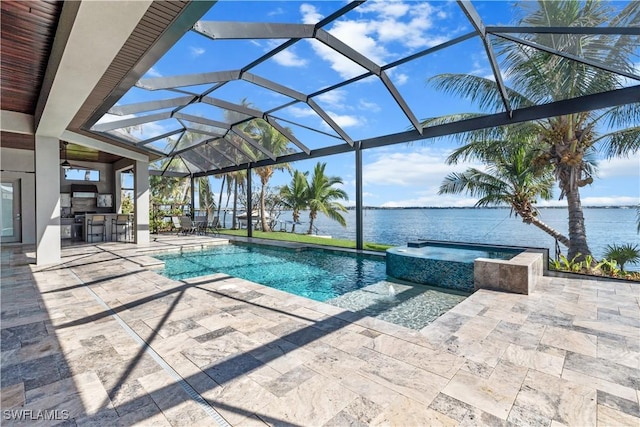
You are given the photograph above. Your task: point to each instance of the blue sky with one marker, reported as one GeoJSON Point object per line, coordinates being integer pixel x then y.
{"type": "Point", "coordinates": [399, 175]}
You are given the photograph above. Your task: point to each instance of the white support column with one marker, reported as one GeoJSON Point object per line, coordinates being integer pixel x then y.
{"type": "Point", "coordinates": [117, 190]}
{"type": "Point", "coordinates": [100, 29]}
{"type": "Point", "coordinates": [142, 201]}
{"type": "Point", "coordinates": [47, 166]}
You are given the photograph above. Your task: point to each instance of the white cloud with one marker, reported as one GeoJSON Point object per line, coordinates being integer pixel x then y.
{"type": "Point", "coordinates": [277, 11]}
{"type": "Point", "coordinates": [196, 51]}
{"type": "Point", "coordinates": [288, 58]}
{"type": "Point", "coordinates": [359, 35]}
{"type": "Point", "coordinates": [345, 121]}
{"type": "Point", "coordinates": [309, 14]}
{"type": "Point", "coordinates": [621, 166]}
{"type": "Point", "coordinates": [342, 120]}
{"type": "Point", "coordinates": [387, 8]}
{"type": "Point", "coordinates": [149, 130]}
{"type": "Point", "coordinates": [397, 22]}
{"type": "Point", "coordinates": [107, 118]}
{"type": "Point", "coordinates": [610, 201]}
{"type": "Point", "coordinates": [371, 107]}
{"type": "Point", "coordinates": [416, 176]}
{"type": "Point", "coordinates": [480, 67]}
{"type": "Point", "coordinates": [334, 98]}
{"type": "Point", "coordinates": [401, 79]}
{"type": "Point", "coordinates": [593, 201]}
{"type": "Point", "coordinates": [425, 167]}
{"type": "Point", "coordinates": [301, 112]}
{"type": "Point", "coordinates": [431, 201]}
{"type": "Point", "coordinates": [152, 72]}
{"type": "Point", "coordinates": [136, 133]}
{"type": "Point", "coordinates": [340, 64]}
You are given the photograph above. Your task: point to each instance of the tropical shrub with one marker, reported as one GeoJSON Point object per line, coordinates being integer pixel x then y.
{"type": "Point", "coordinates": [623, 254]}
{"type": "Point", "coordinates": [606, 267]}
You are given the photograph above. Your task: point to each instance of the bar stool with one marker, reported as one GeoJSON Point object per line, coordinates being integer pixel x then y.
{"type": "Point", "coordinates": [96, 228]}
{"type": "Point", "coordinates": [121, 226]}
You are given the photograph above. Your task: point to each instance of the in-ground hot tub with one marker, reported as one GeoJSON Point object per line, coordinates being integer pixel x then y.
{"type": "Point", "coordinates": [444, 264]}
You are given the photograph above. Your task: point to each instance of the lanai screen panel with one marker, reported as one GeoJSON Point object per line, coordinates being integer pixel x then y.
{"type": "Point", "coordinates": [326, 77]}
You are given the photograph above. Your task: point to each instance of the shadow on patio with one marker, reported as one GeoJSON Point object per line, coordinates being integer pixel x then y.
{"type": "Point", "coordinates": [137, 347]}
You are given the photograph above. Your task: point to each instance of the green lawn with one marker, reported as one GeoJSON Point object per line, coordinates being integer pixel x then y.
{"type": "Point", "coordinates": [305, 238]}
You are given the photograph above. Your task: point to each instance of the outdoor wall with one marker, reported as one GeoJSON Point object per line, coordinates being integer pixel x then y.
{"type": "Point", "coordinates": [118, 167]}
{"type": "Point", "coordinates": [519, 275]}
{"type": "Point", "coordinates": [106, 184]}
{"type": "Point", "coordinates": [19, 164]}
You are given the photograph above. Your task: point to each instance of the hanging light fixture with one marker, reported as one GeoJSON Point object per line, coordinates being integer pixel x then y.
{"type": "Point", "coordinates": [65, 164]}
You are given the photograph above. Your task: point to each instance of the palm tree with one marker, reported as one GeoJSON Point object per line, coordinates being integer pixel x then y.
{"type": "Point", "coordinates": [239, 180]}
{"type": "Point", "coordinates": [236, 180]}
{"type": "Point", "coordinates": [224, 179]}
{"type": "Point", "coordinates": [271, 139]}
{"type": "Point", "coordinates": [539, 77]}
{"type": "Point", "coordinates": [206, 195]}
{"type": "Point", "coordinates": [513, 179]}
{"type": "Point", "coordinates": [294, 195]}
{"type": "Point", "coordinates": [322, 196]}
{"type": "Point", "coordinates": [169, 189]}
{"type": "Point", "coordinates": [623, 254]}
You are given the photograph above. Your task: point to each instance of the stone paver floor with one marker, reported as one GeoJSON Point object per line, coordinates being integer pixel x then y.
{"type": "Point", "coordinates": [73, 348]}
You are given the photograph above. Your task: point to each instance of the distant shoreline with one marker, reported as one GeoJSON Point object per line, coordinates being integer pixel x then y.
{"type": "Point", "coordinates": [492, 207]}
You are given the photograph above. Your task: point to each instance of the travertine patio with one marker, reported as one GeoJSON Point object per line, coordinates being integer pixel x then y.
{"type": "Point", "coordinates": [223, 350]}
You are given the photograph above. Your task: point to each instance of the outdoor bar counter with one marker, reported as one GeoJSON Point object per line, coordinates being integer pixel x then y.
{"type": "Point", "coordinates": [109, 217]}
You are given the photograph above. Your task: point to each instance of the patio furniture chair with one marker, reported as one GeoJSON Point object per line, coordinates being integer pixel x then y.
{"type": "Point", "coordinates": [214, 225]}
{"type": "Point", "coordinates": [176, 224]}
{"type": "Point", "coordinates": [121, 225]}
{"type": "Point", "coordinates": [200, 222]}
{"type": "Point", "coordinates": [96, 229]}
{"type": "Point", "coordinates": [187, 226]}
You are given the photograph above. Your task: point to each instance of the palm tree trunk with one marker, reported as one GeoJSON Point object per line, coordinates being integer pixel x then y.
{"type": "Point", "coordinates": [577, 231]}
{"type": "Point", "coordinates": [312, 216]}
{"type": "Point", "coordinates": [226, 206]}
{"type": "Point", "coordinates": [234, 218]}
{"type": "Point", "coordinates": [220, 197]}
{"type": "Point", "coordinates": [263, 211]}
{"type": "Point", "coordinates": [296, 217]}
{"type": "Point", "coordinates": [550, 231]}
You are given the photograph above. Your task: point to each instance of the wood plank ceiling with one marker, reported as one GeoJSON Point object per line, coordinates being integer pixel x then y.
{"type": "Point", "coordinates": [27, 33]}
{"type": "Point", "coordinates": [28, 29]}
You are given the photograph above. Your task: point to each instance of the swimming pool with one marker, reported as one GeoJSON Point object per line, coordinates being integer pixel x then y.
{"type": "Point", "coordinates": [315, 274]}
{"type": "Point", "coordinates": [444, 264]}
{"type": "Point", "coordinates": [354, 282]}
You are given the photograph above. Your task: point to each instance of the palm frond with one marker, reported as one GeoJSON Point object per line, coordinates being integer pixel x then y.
{"type": "Point", "coordinates": [622, 143]}
{"type": "Point", "coordinates": [481, 91]}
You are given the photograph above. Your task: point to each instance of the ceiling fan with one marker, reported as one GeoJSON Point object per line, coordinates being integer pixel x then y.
{"type": "Point", "coordinates": [65, 164]}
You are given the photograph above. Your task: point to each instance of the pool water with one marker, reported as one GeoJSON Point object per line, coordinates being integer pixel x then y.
{"type": "Point", "coordinates": [402, 303]}
{"type": "Point", "coordinates": [444, 251]}
{"type": "Point", "coordinates": [442, 264]}
{"type": "Point", "coordinates": [353, 282]}
{"type": "Point", "coordinates": [314, 274]}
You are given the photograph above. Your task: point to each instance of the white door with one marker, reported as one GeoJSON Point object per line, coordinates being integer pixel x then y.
{"type": "Point", "coordinates": [10, 221]}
